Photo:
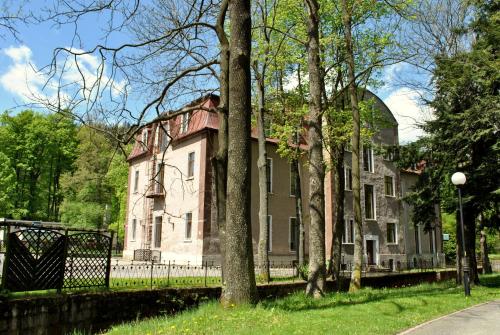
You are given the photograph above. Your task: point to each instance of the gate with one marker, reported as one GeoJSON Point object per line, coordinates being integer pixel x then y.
{"type": "Point", "coordinates": [42, 257]}
{"type": "Point", "coordinates": [34, 260]}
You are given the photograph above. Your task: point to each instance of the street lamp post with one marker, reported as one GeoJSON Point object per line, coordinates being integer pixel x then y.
{"type": "Point", "coordinates": [458, 179]}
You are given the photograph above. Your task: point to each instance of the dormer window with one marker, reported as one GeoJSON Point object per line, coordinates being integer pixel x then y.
{"type": "Point", "coordinates": [185, 122]}
{"type": "Point", "coordinates": [145, 138]}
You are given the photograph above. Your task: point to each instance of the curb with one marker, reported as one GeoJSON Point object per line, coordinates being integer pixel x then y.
{"type": "Point", "coordinates": [408, 331]}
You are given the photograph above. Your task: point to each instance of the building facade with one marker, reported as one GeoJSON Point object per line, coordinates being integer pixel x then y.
{"type": "Point", "coordinates": [169, 204]}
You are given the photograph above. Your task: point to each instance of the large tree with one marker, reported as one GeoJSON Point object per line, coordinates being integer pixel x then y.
{"type": "Point", "coordinates": [464, 134]}
{"type": "Point", "coordinates": [239, 276]}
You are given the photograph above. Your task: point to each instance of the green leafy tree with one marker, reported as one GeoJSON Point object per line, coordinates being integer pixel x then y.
{"type": "Point", "coordinates": [7, 178]}
{"type": "Point", "coordinates": [464, 134]}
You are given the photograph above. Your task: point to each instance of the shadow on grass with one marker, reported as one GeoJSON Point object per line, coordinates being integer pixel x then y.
{"type": "Point", "coordinates": [300, 302]}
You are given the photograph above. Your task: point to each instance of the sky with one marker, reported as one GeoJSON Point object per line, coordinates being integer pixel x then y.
{"type": "Point", "coordinates": [25, 60]}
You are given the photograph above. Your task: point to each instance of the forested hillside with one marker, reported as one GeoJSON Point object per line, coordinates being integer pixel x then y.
{"type": "Point", "coordinates": [53, 169]}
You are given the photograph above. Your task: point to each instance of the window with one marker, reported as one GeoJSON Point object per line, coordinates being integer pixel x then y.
{"type": "Point", "coordinates": [145, 138]}
{"type": "Point", "coordinates": [390, 153]}
{"type": "Point", "coordinates": [368, 158]}
{"type": "Point", "coordinates": [136, 181]}
{"type": "Point", "coordinates": [389, 186]}
{"type": "Point", "coordinates": [269, 169]}
{"type": "Point", "coordinates": [293, 181]}
{"type": "Point", "coordinates": [392, 236]}
{"type": "Point", "coordinates": [432, 240]}
{"type": "Point", "coordinates": [189, 225]}
{"type": "Point", "coordinates": [347, 178]}
{"type": "Point", "coordinates": [158, 222]}
{"type": "Point", "coordinates": [418, 249]}
{"type": "Point", "coordinates": [185, 122]}
{"type": "Point", "coordinates": [293, 233]}
{"type": "Point", "coordinates": [190, 172]}
{"type": "Point", "coordinates": [348, 236]}
{"type": "Point", "coordinates": [157, 136]}
{"type": "Point", "coordinates": [134, 228]}
{"type": "Point", "coordinates": [159, 178]}
{"type": "Point", "coordinates": [165, 139]}
{"type": "Point", "coordinates": [269, 233]}
{"type": "Point", "coordinates": [369, 202]}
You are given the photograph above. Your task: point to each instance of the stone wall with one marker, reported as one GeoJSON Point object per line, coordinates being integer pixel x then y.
{"type": "Point", "coordinates": [96, 311]}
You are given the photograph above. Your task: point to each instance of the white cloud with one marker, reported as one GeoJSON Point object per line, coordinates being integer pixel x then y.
{"type": "Point", "coordinates": [22, 78]}
{"type": "Point", "coordinates": [20, 54]}
{"type": "Point", "coordinates": [69, 85]}
{"type": "Point", "coordinates": [409, 112]}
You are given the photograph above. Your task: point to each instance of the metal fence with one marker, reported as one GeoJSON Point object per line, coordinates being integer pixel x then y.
{"type": "Point", "coordinates": [153, 274]}
{"type": "Point", "coordinates": [385, 267]}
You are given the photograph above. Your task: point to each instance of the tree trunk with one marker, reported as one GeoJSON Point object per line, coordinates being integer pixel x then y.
{"type": "Point", "coordinates": [338, 212]}
{"type": "Point", "coordinates": [317, 264]}
{"type": "Point", "coordinates": [356, 149]}
{"type": "Point", "coordinates": [219, 162]}
{"type": "Point", "coordinates": [239, 276]}
{"type": "Point", "coordinates": [263, 248]}
{"type": "Point", "coordinates": [299, 223]}
{"type": "Point", "coordinates": [470, 242]}
{"type": "Point", "coordinates": [484, 254]}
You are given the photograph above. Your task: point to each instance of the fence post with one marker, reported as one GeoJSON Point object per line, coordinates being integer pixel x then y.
{"type": "Point", "coordinates": [63, 263]}
{"type": "Point", "coordinates": [168, 274]}
{"type": "Point", "coordinates": [108, 265]}
{"type": "Point", "coordinates": [206, 269]}
{"type": "Point", "coordinates": [6, 256]}
{"type": "Point", "coordinates": [151, 275]}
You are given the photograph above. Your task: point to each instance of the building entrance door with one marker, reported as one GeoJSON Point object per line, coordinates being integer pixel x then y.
{"type": "Point", "coordinates": [370, 252]}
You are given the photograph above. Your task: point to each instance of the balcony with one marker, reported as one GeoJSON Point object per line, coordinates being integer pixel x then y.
{"type": "Point", "coordinates": [155, 190]}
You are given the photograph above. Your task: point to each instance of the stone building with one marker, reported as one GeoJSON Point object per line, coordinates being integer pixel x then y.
{"type": "Point", "coordinates": [169, 203]}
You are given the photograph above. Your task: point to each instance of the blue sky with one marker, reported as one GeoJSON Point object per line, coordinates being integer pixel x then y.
{"type": "Point", "coordinates": [22, 59]}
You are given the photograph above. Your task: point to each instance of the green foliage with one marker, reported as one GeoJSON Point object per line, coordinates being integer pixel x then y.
{"type": "Point", "coordinates": [40, 149]}
{"type": "Point", "coordinates": [463, 136]}
{"type": "Point", "coordinates": [449, 227]}
{"type": "Point", "coordinates": [7, 178]}
{"type": "Point", "coordinates": [82, 214]}
{"type": "Point", "coordinates": [98, 182]}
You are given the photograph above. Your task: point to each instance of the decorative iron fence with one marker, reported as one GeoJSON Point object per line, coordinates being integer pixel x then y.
{"type": "Point", "coordinates": [152, 274]}
{"type": "Point", "coordinates": [417, 264]}
{"type": "Point", "coordinates": [44, 256]}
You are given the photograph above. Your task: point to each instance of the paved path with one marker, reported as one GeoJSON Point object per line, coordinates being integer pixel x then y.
{"type": "Point", "coordinates": [483, 319]}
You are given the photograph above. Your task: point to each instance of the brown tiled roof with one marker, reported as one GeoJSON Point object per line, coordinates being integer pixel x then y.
{"type": "Point", "coordinates": [199, 120]}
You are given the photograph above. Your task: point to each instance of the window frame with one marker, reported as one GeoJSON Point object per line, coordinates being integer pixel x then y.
{"type": "Point", "coordinates": [134, 229]}
{"type": "Point", "coordinates": [373, 202]}
{"type": "Point", "coordinates": [156, 237]}
{"type": "Point", "coordinates": [347, 178]}
{"type": "Point", "coordinates": [188, 218]}
{"type": "Point", "coordinates": [190, 167]}
{"type": "Point", "coordinates": [290, 229]}
{"type": "Point", "coordinates": [185, 122]}
{"type": "Point", "coordinates": [392, 186]}
{"type": "Point", "coordinates": [370, 161]}
{"type": "Point", "coordinates": [136, 181]}
{"type": "Point", "coordinates": [165, 139]}
{"type": "Point", "coordinates": [395, 225]}
{"type": "Point", "coordinates": [349, 232]}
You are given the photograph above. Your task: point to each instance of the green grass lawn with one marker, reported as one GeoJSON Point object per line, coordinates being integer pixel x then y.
{"type": "Point", "coordinates": [494, 256]}
{"type": "Point", "coordinates": [369, 311]}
